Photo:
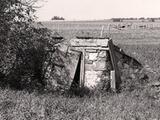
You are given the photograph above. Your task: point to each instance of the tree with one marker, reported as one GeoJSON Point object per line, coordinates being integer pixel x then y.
{"type": "Point", "coordinates": [57, 18]}
{"type": "Point", "coordinates": [14, 18]}
{"type": "Point", "coordinates": [23, 48]}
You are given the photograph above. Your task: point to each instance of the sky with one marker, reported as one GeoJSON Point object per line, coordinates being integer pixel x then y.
{"type": "Point", "coordinates": [97, 9]}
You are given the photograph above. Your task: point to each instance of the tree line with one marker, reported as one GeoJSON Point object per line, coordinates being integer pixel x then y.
{"type": "Point", "coordinates": [141, 18]}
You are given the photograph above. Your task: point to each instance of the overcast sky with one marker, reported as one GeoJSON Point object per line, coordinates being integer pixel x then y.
{"type": "Point", "coordinates": [98, 9]}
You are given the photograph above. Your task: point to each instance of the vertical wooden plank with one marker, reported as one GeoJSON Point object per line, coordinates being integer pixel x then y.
{"type": "Point", "coordinates": [84, 54]}
{"type": "Point", "coordinates": [82, 72]}
{"type": "Point", "coordinates": [113, 80]}
{"type": "Point", "coordinates": [114, 64]}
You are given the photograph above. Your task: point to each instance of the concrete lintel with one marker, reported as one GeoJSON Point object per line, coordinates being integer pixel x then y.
{"type": "Point", "coordinates": [89, 42]}
{"type": "Point", "coordinates": [80, 48]}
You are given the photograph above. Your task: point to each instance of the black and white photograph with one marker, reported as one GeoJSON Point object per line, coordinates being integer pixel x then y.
{"type": "Point", "coordinates": [79, 60]}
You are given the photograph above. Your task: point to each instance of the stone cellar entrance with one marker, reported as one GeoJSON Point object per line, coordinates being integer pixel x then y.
{"type": "Point", "coordinates": [92, 65]}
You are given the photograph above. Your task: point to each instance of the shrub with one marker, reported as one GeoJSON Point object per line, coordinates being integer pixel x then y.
{"type": "Point", "coordinates": [24, 48]}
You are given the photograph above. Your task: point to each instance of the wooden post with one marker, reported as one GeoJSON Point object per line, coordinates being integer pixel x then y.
{"type": "Point", "coordinates": [114, 64]}
{"type": "Point", "coordinates": [102, 31]}
{"type": "Point", "coordinates": [113, 80]}
{"type": "Point", "coordinates": [82, 72]}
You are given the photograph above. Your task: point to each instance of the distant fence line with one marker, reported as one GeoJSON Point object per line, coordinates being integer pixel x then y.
{"type": "Point", "coordinates": [115, 30]}
{"type": "Point", "coordinates": [106, 26]}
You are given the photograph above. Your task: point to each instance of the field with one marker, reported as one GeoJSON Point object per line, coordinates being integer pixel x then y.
{"type": "Point", "coordinates": [140, 40]}
{"type": "Point", "coordinates": [123, 32]}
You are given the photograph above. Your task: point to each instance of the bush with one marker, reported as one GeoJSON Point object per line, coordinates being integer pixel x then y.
{"type": "Point", "coordinates": [24, 48]}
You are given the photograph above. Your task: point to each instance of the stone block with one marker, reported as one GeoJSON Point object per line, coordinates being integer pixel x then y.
{"type": "Point", "coordinates": [88, 62]}
{"type": "Point", "coordinates": [99, 65]}
{"type": "Point", "coordinates": [96, 66]}
{"type": "Point", "coordinates": [92, 78]}
{"type": "Point", "coordinates": [102, 54]}
{"type": "Point", "coordinates": [93, 56]}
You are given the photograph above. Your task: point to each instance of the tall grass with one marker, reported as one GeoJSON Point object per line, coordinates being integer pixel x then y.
{"type": "Point", "coordinates": [137, 105]}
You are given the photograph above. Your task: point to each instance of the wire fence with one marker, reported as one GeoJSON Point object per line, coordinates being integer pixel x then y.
{"type": "Point", "coordinates": [107, 26]}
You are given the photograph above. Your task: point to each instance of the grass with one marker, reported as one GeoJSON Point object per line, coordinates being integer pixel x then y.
{"type": "Point", "coordinates": [147, 54]}
{"type": "Point", "coordinates": [143, 103]}
{"type": "Point", "coordinates": [138, 105]}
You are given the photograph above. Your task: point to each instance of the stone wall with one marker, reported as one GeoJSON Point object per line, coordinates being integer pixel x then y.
{"type": "Point", "coordinates": [95, 65]}
{"type": "Point", "coordinates": [95, 52]}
